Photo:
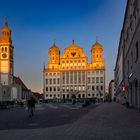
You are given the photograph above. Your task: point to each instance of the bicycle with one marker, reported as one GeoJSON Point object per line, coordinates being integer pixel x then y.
{"type": "Point", "coordinates": [31, 112]}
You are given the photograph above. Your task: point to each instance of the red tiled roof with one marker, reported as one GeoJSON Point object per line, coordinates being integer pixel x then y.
{"type": "Point", "coordinates": [18, 81]}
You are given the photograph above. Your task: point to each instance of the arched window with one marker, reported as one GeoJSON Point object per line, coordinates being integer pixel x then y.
{"type": "Point", "coordinates": [5, 49]}
{"type": "Point", "coordinates": [2, 49]}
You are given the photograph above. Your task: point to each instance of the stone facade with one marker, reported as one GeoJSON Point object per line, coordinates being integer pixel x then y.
{"type": "Point", "coordinates": [131, 53]}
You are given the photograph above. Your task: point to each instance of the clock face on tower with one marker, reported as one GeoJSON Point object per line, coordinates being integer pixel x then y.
{"type": "Point", "coordinates": [4, 55]}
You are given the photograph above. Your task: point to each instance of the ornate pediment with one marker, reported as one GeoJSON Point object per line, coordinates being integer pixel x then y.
{"type": "Point", "coordinates": [73, 51]}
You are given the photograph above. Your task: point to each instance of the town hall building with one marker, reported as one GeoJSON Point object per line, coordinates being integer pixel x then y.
{"type": "Point", "coordinates": [71, 75]}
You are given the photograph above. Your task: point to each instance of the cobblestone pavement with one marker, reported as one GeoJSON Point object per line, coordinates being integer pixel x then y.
{"type": "Point", "coordinates": [109, 121]}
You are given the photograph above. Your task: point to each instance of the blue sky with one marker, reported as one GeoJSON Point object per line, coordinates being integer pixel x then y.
{"type": "Point", "coordinates": [36, 23]}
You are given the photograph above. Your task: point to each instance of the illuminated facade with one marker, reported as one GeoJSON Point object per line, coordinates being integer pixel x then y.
{"type": "Point", "coordinates": [11, 87]}
{"type": "Point", "coordinates": [71, 75]}
{"type": "Point", "coordinates": [6, 63]}
{"type": "Point", "coordinates": [6, 56]}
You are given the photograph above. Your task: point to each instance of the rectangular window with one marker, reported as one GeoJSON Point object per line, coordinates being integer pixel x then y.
{"type": "Point", "coordinates": [101, 79]}
{"type": "Point", "coordinates": [97, 72]}
{"type": "Point", "coordinates": [83, 88]}
{"type": "Point", "coordinates": [93, 80]}
{"type": "Point", "coordinates": [97, 88]}
{"type": "Point", "coordinates": [46, 81]}
{"type": "Point", "coordinates": [79, 77]}
{"type": "Point", "coordinates": [67, 77]}
{"type": "Point", "coordinates": [50, 81]}
{"type": "Point", "coordinates": [58, 88]}
{"type": "Point", "coordinates": [75, 77]}
{"type": "Point", "coordinates": [88, 80]}
{"type": "Point", "coordinates": [46, 88]}
{"type": "Point", "coordinates": [63, 88]}
{"type": "Point", "coordinates": [97, 79]}
{"type": "Point", "coordinates": [71, 77]}
{"type": "Point", "coordinates": [50, 88]}
{"type": "Point", "coordinates": [92, 87]}
{"type": "Point", "coordinates": [83, 95]}
{"type": "Point", "coordinates": [54, 89]}
{"type": "Point", "coordinates": [58, 81]}
{"type": "Point", "coordinates": [101, 87]}
{"type": "Point", "coordinates": [67, 88]}
{"type": "Point", "coordinates": [54, 81]}
{"type": "Point", "coordinates": [101, 72]}
{"type": "Point", "coordinates": [83, 77]}
{"type": "Point", "coordinates": [63, 78]}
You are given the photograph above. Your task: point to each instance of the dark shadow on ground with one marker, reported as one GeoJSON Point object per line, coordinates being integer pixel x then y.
{"type": "Point", "coordinates": [18, 118]}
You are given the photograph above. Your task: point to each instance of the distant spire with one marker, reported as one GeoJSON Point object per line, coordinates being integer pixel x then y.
{"type": "Point", "coordinates": [5, 23]}
{"type": "Point", "coordinates": [73, 42]}
{"type": "Point", "coordinates": [54, 41]}
{"type": "Point", "coordinates": [44, 65]}
{"type": "Point", "coordinates": [96, 38]}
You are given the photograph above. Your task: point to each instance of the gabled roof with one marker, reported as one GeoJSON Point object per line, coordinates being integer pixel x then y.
{"type": "Point", "coordinates": [18, 81]}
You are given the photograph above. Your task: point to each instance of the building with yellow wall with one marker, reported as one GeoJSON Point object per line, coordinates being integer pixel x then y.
{"type": "Point", "coordinates": [71, 75]}
{"type": "Point", "coordinates": [11, 87]}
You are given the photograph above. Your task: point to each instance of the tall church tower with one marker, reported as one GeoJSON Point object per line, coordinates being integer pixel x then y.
{"type": "Point", "coordinates": [6, 56]}
{"type": "Point", "coordinates": [97, 55]}
{"type": "Point", "coordinates": [53, 57]}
